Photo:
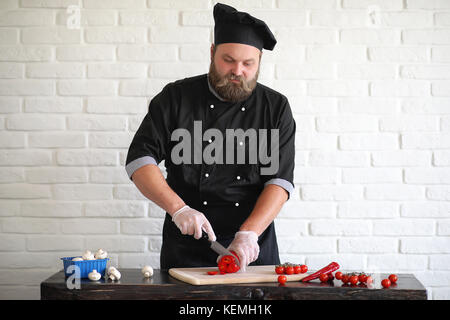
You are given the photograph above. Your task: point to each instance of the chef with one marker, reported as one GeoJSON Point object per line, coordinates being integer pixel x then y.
{"type": "Point", "coordinates": [228, 146]}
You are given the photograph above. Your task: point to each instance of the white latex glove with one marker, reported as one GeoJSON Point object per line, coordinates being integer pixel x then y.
{"type": "Point", "coordinates": [245, 244]}
{"type": "Point", "coordinates": [192, 222]}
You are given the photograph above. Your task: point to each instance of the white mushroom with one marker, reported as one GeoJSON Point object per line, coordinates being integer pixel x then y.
{"type": "Point", "coordinates": [87, 255]}
{"type": "Point", "coordinates": [94, 275]}
{"type": "Point", "coordinates": [77, 259]}
{"type": "Point", "coordinates": [113, 274]}
{"type": "Point", "coordinates": [147, 271]}
{"type": "Point", "coordinates": [101, 254]}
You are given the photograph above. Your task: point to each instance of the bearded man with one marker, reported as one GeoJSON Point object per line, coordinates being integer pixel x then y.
{"type": "Point", "coordinates": [234, 203]}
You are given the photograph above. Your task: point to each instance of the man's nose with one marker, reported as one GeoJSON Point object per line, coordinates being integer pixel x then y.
{"type": "Point", "coordinates": [237, 69]}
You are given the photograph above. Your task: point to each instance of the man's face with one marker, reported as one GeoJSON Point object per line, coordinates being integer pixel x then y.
{"type": "Point", "coordinates": [234, 70]}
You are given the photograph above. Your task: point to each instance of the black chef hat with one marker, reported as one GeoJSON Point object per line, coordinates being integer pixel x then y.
{"type": "Point", "coordinates": [240, 27]}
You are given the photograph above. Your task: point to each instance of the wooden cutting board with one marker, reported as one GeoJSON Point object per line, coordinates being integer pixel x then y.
{"type": "Point", "coordinates": [253, 274]}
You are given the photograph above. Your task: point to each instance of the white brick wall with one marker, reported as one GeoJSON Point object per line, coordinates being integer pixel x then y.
{"type": "Point", "coordinates": [369, 85]}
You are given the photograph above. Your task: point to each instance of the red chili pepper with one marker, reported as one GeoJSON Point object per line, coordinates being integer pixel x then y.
{"type": "Point", "coordinates": [329, 268]}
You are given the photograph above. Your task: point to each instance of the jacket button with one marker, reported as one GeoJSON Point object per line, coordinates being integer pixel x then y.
{"type": "Point", "coordinates": [243, 108]}
{"type": "Point", "coordinates": [207, 175]}
{"type": "Point", "coordinates": [237, 204]}
{"type": "Point", "coordinates": [238, 177]}
{"type": "Point", "coordinates": [211, 106]}
{"type": "Point", "coordinates": [205, 203]}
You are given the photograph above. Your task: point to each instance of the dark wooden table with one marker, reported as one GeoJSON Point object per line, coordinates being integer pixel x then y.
{"type": "Point", "coordinates": [132, 286]}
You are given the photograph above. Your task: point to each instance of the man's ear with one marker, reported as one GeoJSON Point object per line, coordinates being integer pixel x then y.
{"type": "Point", "coordinates": [212, 51]}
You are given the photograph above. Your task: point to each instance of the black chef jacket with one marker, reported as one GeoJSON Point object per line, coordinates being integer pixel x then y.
{"type": "Point", "coordinates": [224, 192]}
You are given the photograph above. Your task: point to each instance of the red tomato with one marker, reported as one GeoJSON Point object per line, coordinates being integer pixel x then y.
{"type": "Point", "coordinates": [297, 269]}
{"type": "Point", "coordinates": [282, 279]}
{"type": "Point", "coordinates": [338, 275]}
{"type": "Point", "coordinates": [289, 270]}
{"type": "Point", "coordinates": [393, 278]}
{"type": "Point", "coordinates": [323, 277]}
{"type": "Point", "coordinates": [211, 273]}
{"type": "Point", "coordinates": [386, 283]}
{"type": "Point", "coordinates": [222, 266]}
{"type": "Point", "coordinates": [330, 277]}
{"type": "Point", "coordinates": [279, 269]}
{"type": "Point", "coordinates": [345, 278]}
{"type": "Point", "coordinates": [232, 267]}
{"type": "Point", "coordinates": [362, 278]}
{"type": "Point", "coordinates": [353, 279]}
{"type": "Point", "coordinates": [303, 268]}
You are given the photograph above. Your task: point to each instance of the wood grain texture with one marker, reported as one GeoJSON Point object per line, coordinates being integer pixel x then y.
{"type": "Point", "coordinates": [253, 274]}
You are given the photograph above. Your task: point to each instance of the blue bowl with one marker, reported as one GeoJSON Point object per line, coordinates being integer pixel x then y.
{"type": "Point", "coordinates": [85, 266]}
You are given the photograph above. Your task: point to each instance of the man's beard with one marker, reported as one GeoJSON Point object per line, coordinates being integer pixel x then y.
{"type": "Point", "coordinates": [228, 90]}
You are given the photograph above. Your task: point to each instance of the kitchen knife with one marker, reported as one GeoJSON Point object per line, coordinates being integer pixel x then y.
{"type": "Point", "coordinates": [218, 248]}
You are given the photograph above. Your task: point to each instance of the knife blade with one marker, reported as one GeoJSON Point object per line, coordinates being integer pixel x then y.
{"type": "Point", "coordinates": [218, 248]}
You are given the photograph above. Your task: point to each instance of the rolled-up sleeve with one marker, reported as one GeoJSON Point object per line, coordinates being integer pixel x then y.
{"type": "Point", "coordinates": [284, 177]}
{"type": "Point", "coordinates": [150, 142]}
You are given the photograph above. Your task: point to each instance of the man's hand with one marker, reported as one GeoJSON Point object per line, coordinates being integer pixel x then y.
{"type": "Point", "coordinates": [192, 222]}
{"type": "Point", "coordinates": [245, 244]}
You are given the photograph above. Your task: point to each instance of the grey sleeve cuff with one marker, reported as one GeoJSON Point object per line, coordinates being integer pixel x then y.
{"type": "Point", "coordinates": [286, 185]}
{"type": "Point", "coordinates": [139, 162]}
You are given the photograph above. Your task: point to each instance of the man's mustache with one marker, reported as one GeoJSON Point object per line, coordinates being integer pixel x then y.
{"type": "Point", "coordinates": [226, 81]}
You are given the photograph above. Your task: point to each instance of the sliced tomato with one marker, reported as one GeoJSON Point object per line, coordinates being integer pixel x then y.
{"type": "Point", "coordinates": [212, 273]}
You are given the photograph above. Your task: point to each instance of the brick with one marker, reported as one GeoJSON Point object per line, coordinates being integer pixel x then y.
{"type": "Point", "coordinates": [425, 245]}
{"type": "Point", "coordinates": [13, 260]}
{"type": "Point", "coordinates": [8, 175]}
{"type": "Point", "coordinates": [55, 70]}
{"type": "Point", "coordinates": [9, 208]}
{"type": "Point", "coordinates": [86, 87]}
{"type": "Point", "coordinates": [394, 192]}
{"type": "Point", "coordinates": [306, 36]}
{"type": "Point", "coordinates": [96, 122]}
{"type": "Point", "coordinates": [371, 175]}
{"type": "Point", "coordinates": [12, 243]}
{"type": "Point", "coordinates": [24, 191]}
{"type": "Point", "coordinates": [440, 262]}
{"type": "Point", "coordinates": [149, 18]}
{"type": "Point", "coordinates": [26, 53]}
{"type": "Point", "coordinates": [318, 158]}
{"type": "Point", "coordinates": [127, 244]}
{"type": "Point", "coordinates": [86, 158]}
{"type": "Point", "coordinates": [440, 88]}
{"type": "Point", "coordinates": [426, 36]}
{"type": "Point", "coordinates": [370, 37]}
{"type": "Point", "coordinates": [179, 5]}
{"type": "Point", "coordinates": [90, 226]}
{"type": "Point", "coordinates": [92, 52]}
{"type": "Point", "coordinates": [315, 175]}
{"type": "Point", "coordinates": [50, 35]}
{"type": "Point", "coordinates": [141, 88]}
{"type": "Point", "coordinates": [320, 245]}
{"type": "Point", "coordinates": [51, 209]}
{"type": "Point", "coordinates": [10, 105]}
{"type": "Point", "coordinates": [57, 140]}
{"type": "Point", "coordinates": [402, 54]}
{"type": "Point", "coordinates": [177, 70]}
{"type": "Point", "coordinates": [24, 18]}
{"type": "Point", "coordinates": [81, 192]}
{"type": "Point", "coordinates": [30, 225]}
{"type": "Point", "coordinates": [200, 53]}
{"type": "Point", "coordinates": [397, 262]}
{"type": "Point", "coordinates": [347, 18]}
{"type": "Point", "coordinates": [339, 88]}
{"type": "Point", "coordinates": [340, 227]}
{"type": "Point", "coordinates": [403, 158]}
{"type": "Point", "coordinates": [409, 123]}
{"type": "Point", "coordinates": [400, 88]}
{"type": "Point", "coordinates": [428, 209]}
{"type": "Point", "coordinates": [55, 243]}
{"type": "Point", "coordinates": [441, 158]}
{"type": "Point", "coordinates": [367, 210]}
{"type": "Point", "coordinates": [406, 19]}
{"type": "Point", "coordinates": [443, 228]}
{"type": "Point", "coordinates": [88, 17]}
{"type": "Point", "coordinates": [427, 4]}
{"type": "Point", "coordinates": [283, 18]}
{"type": "Point", "coordinates": [48, 3]}
{"type": "Point", "coordinates": [438, 193]}
{"type": "Point", "coordinates": [35, 122]}
{"type": "Point", "coordinates": [11, 70]}
{"type": "Point", "coordinates": [366, 71]}
{"type": "Point", "coordinates": [97, 35]}
{"type": "Point", "coordinates": [304, 209]}
{"type": "Point", "coordinates": [25, 158]}
{"type": "Point", "coordinates": [12, 140]}
{"type": "Point", "coordinates": [53, 105]}
{"type": "Point", "coordinates": [9, 36]}
{"type": "Point", "coordinates": [110, 140]}
{"type": "Point", "coordinates": [56, 175]}
{"type": "Point", "coordinates": [368, 105]}
{"type": "Point", "coordinates": [116, 70]}
{"type": "Point", "coordinates": [327, 192]}
{"type": "Point", "coordinates": [346, 123]}
{"type": "Point", "coordinates": [403, 227]}
{"type": "Point", "coordinates": [440, 54]}
{"type": "Point", "coordinates": [361, 141]}
{"type": "Point", "coordinates": [117, 105]}
{"type": "Point", "coordinates": [427, 175]}
{"type": "Point", "coordinates": [292, 227]}
{"type": "Point", "coordinates": [149, 52]}
{"type": "Point", "coordinates": [307, 4]}
{"type": "Point", "coordinates": [116, 209]}
{"type": "Point", "coordinates": [197, 18]}
{"type": "Point", "coordinates": [426, 106]}
{"type": "Point", "coordinates": [367, 245]}
{"type": "Point", "coordinates": [425, 72]}
{"type": "Point", "coordinates": [167, 34]}
{"type": "Point", "coordinates": [127, 193]}
{"type": "Point", "coordinates": [150, 226]}
{"type": "Point", "coordinates": [16, 87]}
{"type": "Point", "coordinates": [379, 4]}
{"type": "Point", "coordinates": [425, 140]}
